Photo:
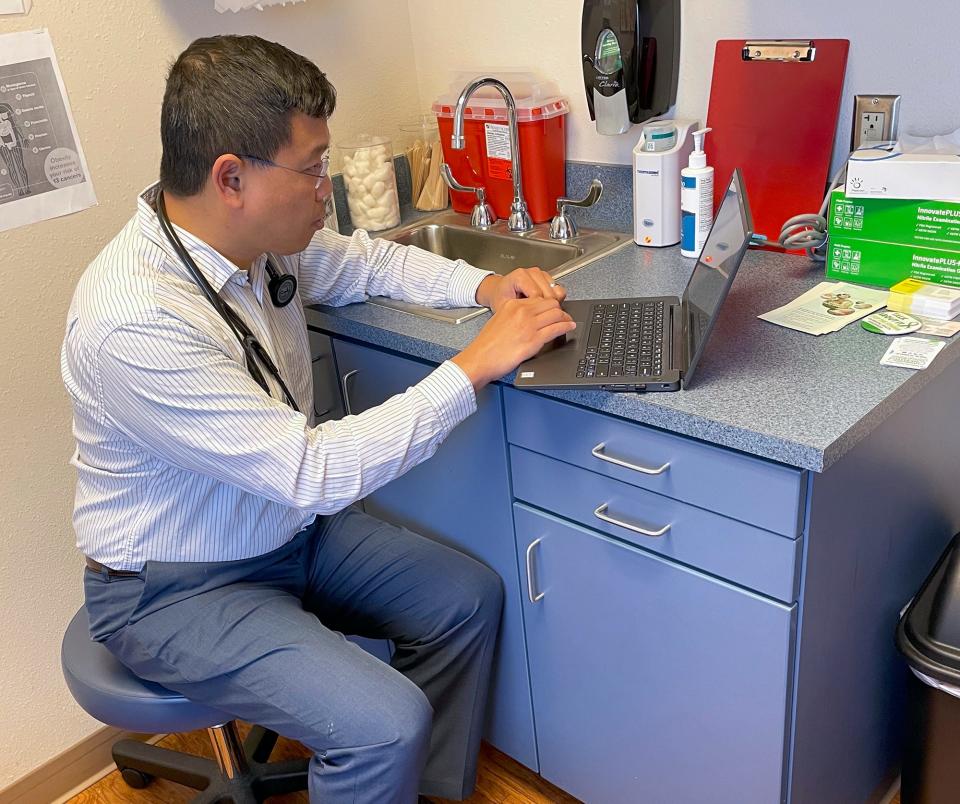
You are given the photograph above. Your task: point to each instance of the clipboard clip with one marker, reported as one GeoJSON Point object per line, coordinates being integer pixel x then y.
{"type": "Point", "coordinates": [779, 50]}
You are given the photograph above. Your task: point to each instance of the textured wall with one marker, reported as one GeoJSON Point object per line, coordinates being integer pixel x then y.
{"type": "Point", "coordinates": [545, 35]}
{"type": "Point", "coordinates": [113, 55]}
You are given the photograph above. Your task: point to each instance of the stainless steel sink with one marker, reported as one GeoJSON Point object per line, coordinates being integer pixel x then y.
{"type": "Point", "coordinates": [449, 234]}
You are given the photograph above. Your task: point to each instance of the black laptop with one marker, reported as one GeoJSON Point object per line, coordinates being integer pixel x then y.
{"type": "Point", "coordinates": [649, 344]}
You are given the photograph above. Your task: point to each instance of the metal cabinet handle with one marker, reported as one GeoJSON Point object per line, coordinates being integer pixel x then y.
{"type": "Point", "coordinates": [601, 513]}
{"type": "Point", "coordinates": [346, 393]}
{"type": "Point", "coordinates": [597, 452]}
{"type": "Point", "coordinates": [534, 598]}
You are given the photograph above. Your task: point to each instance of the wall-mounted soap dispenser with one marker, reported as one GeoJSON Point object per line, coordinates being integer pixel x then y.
{"type": "Point", "coordinates": [631, 60]}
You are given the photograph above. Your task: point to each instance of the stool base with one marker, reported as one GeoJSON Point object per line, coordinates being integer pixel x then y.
{"type": "Point", "coordinates": [245, 779]}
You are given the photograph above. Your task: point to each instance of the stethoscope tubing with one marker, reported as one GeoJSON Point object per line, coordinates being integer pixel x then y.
{"type": "Point", "coordinates": [253, 350]}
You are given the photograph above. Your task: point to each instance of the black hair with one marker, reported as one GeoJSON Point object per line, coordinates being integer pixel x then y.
{"type": "Point", "coordinates": [233, 94]}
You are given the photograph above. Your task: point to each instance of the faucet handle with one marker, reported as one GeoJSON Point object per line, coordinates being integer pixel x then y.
{"type": "Point", "coordinates": [483, 216]}
{"type": "Point", "coordinates": [563, 227]}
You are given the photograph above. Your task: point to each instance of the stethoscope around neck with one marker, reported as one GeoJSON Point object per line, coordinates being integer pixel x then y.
{"type": "Point", "coordinates": [282, 289]}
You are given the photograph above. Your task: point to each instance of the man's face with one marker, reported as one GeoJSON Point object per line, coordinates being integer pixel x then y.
{"type": "Point", "coordinates": [286, 206]}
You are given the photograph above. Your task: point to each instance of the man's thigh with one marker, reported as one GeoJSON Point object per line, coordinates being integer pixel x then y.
{"type": "Point", "coordinates": [374, 579]}
{"type": "Point", "coordinates": [256, 654]}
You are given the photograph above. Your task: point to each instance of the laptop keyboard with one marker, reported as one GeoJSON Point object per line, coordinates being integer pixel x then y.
{"type": "Point", "coordinates": [625, 340]}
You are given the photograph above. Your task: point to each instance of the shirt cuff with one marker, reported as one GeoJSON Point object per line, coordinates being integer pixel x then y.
{"type": "Point", "coordinates": [450, 392]}
{"type": "Point", "coordinates": [464, 281]}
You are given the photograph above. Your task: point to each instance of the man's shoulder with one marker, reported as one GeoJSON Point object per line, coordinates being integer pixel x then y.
{"type": "Point", "coordinates": [124, 284]}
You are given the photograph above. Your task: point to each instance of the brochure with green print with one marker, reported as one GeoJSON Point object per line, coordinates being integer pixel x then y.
{"type": "Point", "coordinates": [828, 307]}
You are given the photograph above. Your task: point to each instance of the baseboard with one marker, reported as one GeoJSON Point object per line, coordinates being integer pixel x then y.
{"type": "Point", "coordinates": [80, 766]}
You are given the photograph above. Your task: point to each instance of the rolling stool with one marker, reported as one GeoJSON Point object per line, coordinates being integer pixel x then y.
{"type": "Point", "coordinates": [113, 695]}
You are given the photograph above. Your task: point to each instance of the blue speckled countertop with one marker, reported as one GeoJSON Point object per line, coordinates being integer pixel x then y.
{"type": "Point", "coordinates": [761, 389]}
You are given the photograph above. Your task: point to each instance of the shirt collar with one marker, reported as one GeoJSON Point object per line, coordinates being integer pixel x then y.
{"type": "Point", "coordinates": [216, 268]}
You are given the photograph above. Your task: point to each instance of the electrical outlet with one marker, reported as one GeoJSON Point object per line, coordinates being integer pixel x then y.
{"type": "Point", "coordinates": [876, 118]}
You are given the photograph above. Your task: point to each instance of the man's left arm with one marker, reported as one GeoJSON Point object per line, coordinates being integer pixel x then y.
{"type": "Point", "coordinates": [338, 270]}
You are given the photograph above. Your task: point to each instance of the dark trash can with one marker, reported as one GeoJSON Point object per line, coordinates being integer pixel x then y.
{"type": "Point", "coordinates": [928, 635]}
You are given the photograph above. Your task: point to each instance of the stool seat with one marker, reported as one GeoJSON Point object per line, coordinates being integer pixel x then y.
{"type": "Point", "coordinates": [114, 695]}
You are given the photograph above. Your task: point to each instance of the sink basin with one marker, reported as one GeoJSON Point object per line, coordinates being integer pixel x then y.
{"type": "Point", "coordinates": [450, 235]}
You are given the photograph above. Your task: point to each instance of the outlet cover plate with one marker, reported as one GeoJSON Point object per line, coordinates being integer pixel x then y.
{"type": "Point", "coordinates": [886, 105]}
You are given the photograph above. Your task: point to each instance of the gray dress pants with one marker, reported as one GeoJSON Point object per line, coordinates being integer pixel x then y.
{"type": "Point", "coordinates": [262, 639]}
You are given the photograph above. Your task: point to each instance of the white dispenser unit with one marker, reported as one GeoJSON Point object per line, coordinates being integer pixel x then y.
{"type": "Point", "coordinates": [656, 182]}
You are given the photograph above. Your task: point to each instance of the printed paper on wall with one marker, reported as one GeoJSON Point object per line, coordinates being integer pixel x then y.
{"type": "Point", "coordinates": [43, 173]}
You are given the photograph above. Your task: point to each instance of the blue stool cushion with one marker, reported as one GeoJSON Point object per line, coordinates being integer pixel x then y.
{"type": "Point", "coordinates": [111, 693]}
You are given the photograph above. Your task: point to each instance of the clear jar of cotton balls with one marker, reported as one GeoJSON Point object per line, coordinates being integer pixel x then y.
{"type": "Point", "coordinates": [371, 183]}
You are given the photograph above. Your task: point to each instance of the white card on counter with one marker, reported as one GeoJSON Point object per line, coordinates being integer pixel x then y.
{"type": "Point", "coordinates": [944, 329]}
{"type": "Point", "coordinates": [911, 353]}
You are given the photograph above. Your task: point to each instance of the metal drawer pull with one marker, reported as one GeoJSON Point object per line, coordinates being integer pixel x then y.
{"type": "Point", "coordinates": [530, 593]}
{"type": "Point", "coordinates": [601, 513]}
{"type": "Point", "coordinates": [597, 452]}
{"type": "Point", "coordinates": [346, 391]}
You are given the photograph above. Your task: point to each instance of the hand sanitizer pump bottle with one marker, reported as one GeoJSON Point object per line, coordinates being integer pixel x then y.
{"type": "Point", "coordinates": [696, 199]}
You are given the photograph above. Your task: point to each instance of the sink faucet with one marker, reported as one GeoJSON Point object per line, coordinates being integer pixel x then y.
{"type": "Point", "coordinates": [519, 220]}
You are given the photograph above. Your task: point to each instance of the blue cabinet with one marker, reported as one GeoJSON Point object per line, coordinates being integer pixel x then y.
{"type": "Point", "coordinates": [660, 608]}
{"type": "Point", "coordinates": [651, 681]}
{"type": "Point", "coordinates": [461, 497]}
{"type": "Point", "coordinates": [326, 390]}
{"type": "Point", "coordinates": [685, 623]}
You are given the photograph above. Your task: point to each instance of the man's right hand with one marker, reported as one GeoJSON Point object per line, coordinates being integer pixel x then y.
{"type": "Point", "coordinates": [517, 331]}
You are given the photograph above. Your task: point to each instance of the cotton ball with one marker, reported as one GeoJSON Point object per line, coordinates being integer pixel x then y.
{"type": "Point", "coordinates": [369, 181]}
{"type": "Point", "coordinates": [378, 188]}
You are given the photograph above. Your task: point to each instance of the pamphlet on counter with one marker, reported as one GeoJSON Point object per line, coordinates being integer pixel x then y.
{"type": "Point", "coordinates": [828, 307]}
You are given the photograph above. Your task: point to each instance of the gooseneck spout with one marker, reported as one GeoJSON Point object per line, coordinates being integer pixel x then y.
{"type": "Point", "coordinates": [519, 220]}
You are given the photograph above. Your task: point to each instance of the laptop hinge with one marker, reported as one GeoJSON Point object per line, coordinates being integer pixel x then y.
{"type": "Point", "coordinates": [678, 344]}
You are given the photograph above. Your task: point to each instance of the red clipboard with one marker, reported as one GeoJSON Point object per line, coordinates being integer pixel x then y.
{"type": "Point", "coordinates": [773, 110]}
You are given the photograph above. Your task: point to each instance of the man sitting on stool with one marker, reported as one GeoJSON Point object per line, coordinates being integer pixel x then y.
{"type": "Point", "coordinates": [224, 561]}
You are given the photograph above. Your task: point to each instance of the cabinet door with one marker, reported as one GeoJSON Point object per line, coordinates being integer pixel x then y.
{"type": "Point", "coordinates": [326, 385]}
{"type": "Point", "coordinates": [651, 682]}
{"type": "Point", "coordinates": [460, 496]}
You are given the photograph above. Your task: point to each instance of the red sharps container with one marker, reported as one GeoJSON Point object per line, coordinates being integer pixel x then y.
{"type": "Point", "coordinates": [486, 160]}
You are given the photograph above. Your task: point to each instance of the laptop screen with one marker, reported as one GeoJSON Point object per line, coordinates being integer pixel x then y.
{"type": "Point", "coordinates": [713, 274]}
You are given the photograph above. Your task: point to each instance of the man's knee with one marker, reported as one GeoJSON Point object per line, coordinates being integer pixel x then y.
{"type": "Point", "coordinates": [480, 593]}
{"type": "Point", "coordinates": [411, 717]}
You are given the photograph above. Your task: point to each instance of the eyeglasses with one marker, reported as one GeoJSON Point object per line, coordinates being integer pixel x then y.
{"type": "Point", "coordinates": [320, 171]}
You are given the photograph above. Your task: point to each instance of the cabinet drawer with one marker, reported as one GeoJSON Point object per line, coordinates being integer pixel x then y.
{"type": "Point", "coordinates": [728, 548]}
{"type": "Point", "coordinates": [750, 489]}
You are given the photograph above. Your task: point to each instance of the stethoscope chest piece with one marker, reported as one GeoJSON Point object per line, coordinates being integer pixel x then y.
{"type": "Point", "coordinates": [282, 287]}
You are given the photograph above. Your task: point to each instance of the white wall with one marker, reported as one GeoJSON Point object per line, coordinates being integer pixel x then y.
{"type": "Point", "coordinates": [895, 49]}
{"type": "Point", "coordinates": [386, 65]}
{"type": "Point", "coordinates": [114, 55]}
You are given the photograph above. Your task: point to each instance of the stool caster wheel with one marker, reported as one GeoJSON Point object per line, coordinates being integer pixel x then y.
{"type": "Point", "coordinates": [135, 779]}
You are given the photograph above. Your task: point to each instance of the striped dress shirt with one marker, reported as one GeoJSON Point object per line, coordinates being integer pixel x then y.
{"type": "Point", "coordinates": [180, 455]}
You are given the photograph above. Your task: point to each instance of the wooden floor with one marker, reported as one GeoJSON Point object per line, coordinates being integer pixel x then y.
{"type": "Point", "coordinates": [500, 780]}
